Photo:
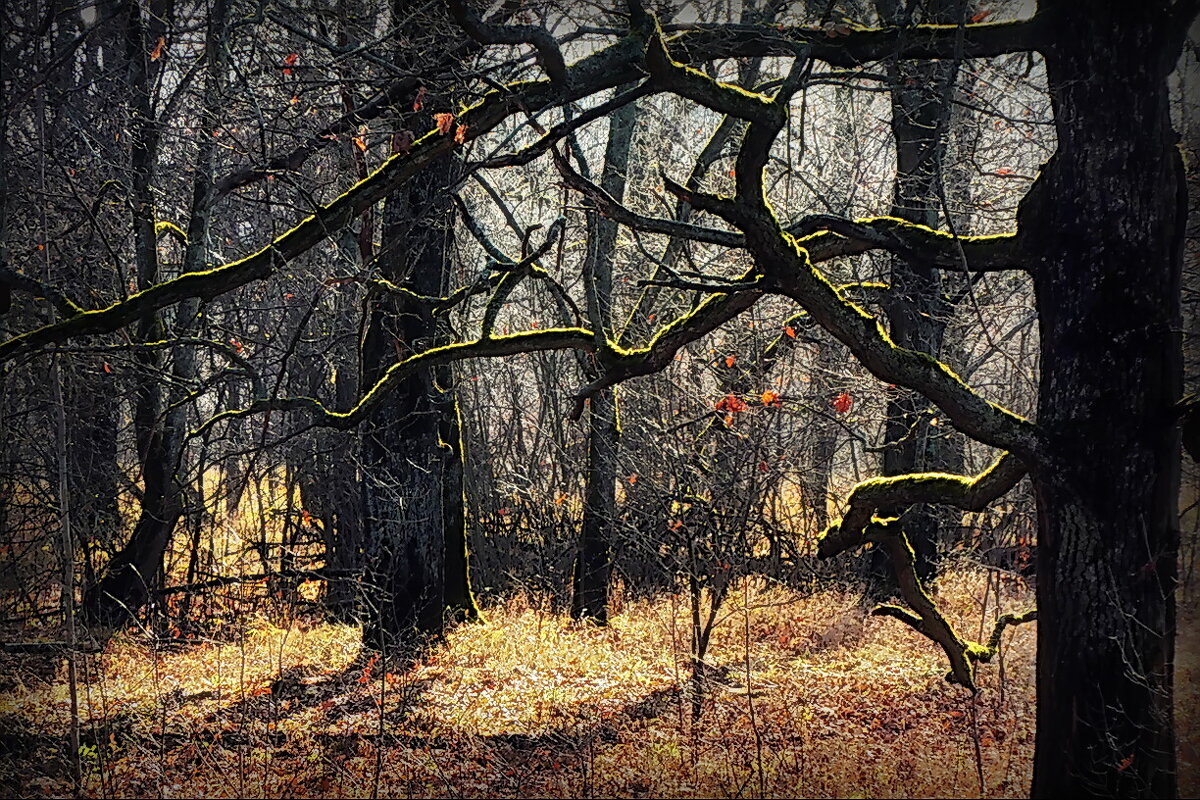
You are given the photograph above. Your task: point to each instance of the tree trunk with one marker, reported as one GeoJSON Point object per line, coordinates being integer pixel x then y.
{"type": "Point", "coordinates": [593, 565]}
{"type": "Point", "coordinates": [459, 599]}
{"type": "Point", "coordinates": [917, 310]}
{"type": "Point", "coordinates": [402, 457]}
{"type": "Point", "coordinates": [1107, 256]}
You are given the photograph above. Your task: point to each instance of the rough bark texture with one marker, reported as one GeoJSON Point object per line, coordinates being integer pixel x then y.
{"type": "Point", "coordinates": [402, 484]}
{"type": "Point", "coordinates": [593, 566]}
{"type": "Point", "coordinates": [1108, 256]}
{"type": "Point", "coordinates": [918, 309]}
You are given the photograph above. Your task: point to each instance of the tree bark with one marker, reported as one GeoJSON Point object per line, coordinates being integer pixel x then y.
{"type": "Point", "coordinates": [1107, 253]}
{"type": "Point", "coordinates": [593, 565]}
{"type": "Point", "coordinates": [917, 310]}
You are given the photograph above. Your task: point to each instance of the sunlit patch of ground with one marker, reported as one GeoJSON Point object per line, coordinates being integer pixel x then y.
{"type": "Point", "coordinates": [813, 699]}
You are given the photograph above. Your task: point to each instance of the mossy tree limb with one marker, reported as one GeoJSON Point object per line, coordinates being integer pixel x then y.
{"type": "Point", "coordinates": [603, 70]}
{"type": "Point", "coordinates": [852, 46]}
{"type": "Point", "coordinates": [893, 494]}
{"type": "Point", "coordinates": [862, 525]}
{"type": "Point", "coordinates": [926, 618]}
{"type": "Point", "coordinates": [492, 347]}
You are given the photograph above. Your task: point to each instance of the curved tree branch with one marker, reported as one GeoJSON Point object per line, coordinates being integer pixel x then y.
{"type": "Point", "coordinates": [892, 494]}
{"type": "Point", "coordinates": [491, 347]}
{"type": "Point", "coordinates": [490, 33]}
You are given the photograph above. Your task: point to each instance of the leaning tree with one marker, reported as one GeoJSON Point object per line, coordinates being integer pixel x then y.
{"type": "Point", "coordinates": [1100, 233]}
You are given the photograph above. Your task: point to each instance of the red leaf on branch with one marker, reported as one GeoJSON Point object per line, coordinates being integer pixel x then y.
{"type": "Point", "coordinates": [843, 403]}
{"type": "Point", "coordinates": [360, 143]}
{"type": "Point", "coordinates": [419, 102]}
{"type": "Point", "coordinates": [107, 368]}
{"type": "Point", "coordinates": [771, 398]}
{"type": "Point", "coordinates": [157, 52]}
{"type": "Point", "coordinates": [789, 331]}
{"type": "Point", "coordinates": [444, 121]}
{"type": "Point", "coordinates": [1004, 171]}
{"type": "Point", "coordinates": [460, 135]}
{"type": "Point", "coordinates": [730, 360]}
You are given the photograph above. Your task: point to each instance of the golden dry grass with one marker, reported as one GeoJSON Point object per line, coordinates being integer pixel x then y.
{"type": "Point", "coordinates": [815, 700]}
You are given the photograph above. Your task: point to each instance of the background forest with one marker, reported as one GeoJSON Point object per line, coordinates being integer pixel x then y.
{"type": "Point", "coordinates": [463, 399]}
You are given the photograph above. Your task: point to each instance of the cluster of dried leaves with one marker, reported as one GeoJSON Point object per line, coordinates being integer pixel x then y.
{"type": "Point", "coordinates": [809, 697]}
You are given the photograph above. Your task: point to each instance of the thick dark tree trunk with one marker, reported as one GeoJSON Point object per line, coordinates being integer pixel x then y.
{"type": "Point", "coordinates": [1107, 253]}
{"type": "Point", "coordinates": [917, 310]}
{"type": "Point", "coordinates": [408, 528]}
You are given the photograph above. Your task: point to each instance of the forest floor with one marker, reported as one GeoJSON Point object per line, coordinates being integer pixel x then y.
{"type": "Point", "coordinates": [810, 698]}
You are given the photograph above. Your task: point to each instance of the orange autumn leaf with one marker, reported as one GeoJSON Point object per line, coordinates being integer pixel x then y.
{"type": "Point", "coordinates": [444, 121]}
{"type": "Point", "coordinates": [633, 479]}
{"type": "Point", "coordinates": [291, 59]}
{"type": "Point", "coordinates": [730, 360]}
{"type": "Point", "coordinates": [771, 398]}
{"type": "Point", "coordinates": [843, 403]}
{"type": "Point", "coordinates": [366, 673]}
{"type": "Point", "coordinates": [419, 101]}
{"type": "Point", "coordinates": [789, 331]}
{"type": "Point", "coordinates": [1004, 171]}
{"type": "Point", "coordinates": [981, 15]}
{"type": "Point", "coordinates": [107, 368]}
{"type": "Point", "coordinates": [460, 135]}
{"type": "Point", "coordinates": [360, 143]}
{"type": "Point", "coordinates": [157, 52]}
{"type": "Point", "coordinates": [237, 345]}
{"type": "Point", "coordinates": [731, 404]}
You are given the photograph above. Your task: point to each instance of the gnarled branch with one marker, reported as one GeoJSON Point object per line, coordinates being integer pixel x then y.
{"type": "Point", "coordinates": [892, 494]}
